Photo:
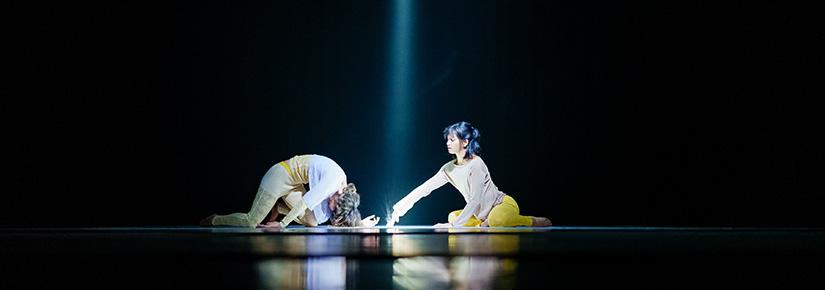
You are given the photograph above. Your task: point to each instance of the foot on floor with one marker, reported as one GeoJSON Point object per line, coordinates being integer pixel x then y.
{"type": "Point", "coordinates": [541, 221]}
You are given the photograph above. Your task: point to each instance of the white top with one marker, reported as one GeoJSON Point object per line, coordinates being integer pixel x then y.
{"type": "Point", "coordinates": [324, 176]}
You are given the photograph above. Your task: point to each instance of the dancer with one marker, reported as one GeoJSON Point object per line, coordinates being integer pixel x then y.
{"type": "Point", "coordinates": [282, 192]}
{"type": "Point", "coordinates": [486, 205]}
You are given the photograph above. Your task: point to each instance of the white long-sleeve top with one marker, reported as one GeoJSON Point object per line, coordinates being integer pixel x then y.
{"type": "Point", "coordinates": [472, 180]}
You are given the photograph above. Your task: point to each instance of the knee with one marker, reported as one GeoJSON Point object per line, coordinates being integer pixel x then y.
{"type": "Point", "coordinates": [453, 215]}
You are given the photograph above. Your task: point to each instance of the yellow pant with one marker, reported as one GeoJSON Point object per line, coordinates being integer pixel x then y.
{"type": "Point", "coordinates": [505, 214]}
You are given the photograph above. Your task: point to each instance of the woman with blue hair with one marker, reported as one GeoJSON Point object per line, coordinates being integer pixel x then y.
{"type": "Point", "coordinates": [486, 204]}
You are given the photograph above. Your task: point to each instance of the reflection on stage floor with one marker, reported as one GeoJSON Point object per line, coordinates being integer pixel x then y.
{"type": "Point", "coordinates": [410, 258]}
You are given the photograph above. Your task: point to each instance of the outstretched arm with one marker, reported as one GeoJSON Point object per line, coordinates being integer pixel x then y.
{"type": "Point", "coordinates": [405, 204]}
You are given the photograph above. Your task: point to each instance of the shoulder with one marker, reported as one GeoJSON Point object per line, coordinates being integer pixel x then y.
{"type": "Point", "coordinates": [478, 164]}
{"type": "Point", "coordinates": [476, 161]}
{"type": "Point", "coordinates": [447, 166]}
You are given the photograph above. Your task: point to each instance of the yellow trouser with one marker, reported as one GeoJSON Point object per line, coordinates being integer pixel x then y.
{"type": "Point", "coordinates": [505, 214]}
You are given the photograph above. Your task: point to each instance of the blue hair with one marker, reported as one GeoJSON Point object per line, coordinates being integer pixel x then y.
{"type": "Point", "coordinates": [466, 131]}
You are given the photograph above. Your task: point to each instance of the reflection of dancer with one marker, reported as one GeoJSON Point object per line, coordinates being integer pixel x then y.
{"type": "Point", "coordinates": [454, 273]}
{"type": "Point", "coordinates": [282, 191]}
{"type": "Point", "coordinates": [486, 205]}
{"type": "Point", "coordinates": [308, 273]}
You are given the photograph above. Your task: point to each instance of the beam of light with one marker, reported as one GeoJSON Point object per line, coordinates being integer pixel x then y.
{"type": "Point", "coordinates": [399, 104]}
{"type": "Point", "coordinates": [388, 212]}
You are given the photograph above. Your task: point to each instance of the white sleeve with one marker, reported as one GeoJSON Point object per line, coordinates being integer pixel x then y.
{"type": "Point", "coordinates": [406, 203]}
{"type": "Point", "coordinates": [323, 190]}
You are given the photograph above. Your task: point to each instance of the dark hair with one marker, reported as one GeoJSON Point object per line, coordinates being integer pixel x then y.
{"type": "Point", "coordinates": [346, 212]}
{"type": "Point", "coordinates": [466, 131]}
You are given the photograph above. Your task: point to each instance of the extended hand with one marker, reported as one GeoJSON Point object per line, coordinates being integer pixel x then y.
{"type": "Point", "coordinates": [370, 221]}
{"type": "Point", "coordinates": [393, 219]}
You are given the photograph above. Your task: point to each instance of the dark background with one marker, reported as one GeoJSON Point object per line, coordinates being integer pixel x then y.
{"type": "Point", "coordinates": [592, 112]}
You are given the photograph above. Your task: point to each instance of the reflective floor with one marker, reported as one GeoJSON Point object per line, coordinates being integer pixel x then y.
{"type": "Point", "coordinates": [412, 258]}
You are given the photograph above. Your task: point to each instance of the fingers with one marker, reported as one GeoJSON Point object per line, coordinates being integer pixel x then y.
{"type": "Point", "coordinates": [442, 225]}
{"type": "Point", "coordinates": [394, 217]}
{"type": "Point", "coordinates": [370, 221]}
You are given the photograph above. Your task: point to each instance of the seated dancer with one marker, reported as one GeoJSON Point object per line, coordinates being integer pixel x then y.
{"type": "Point", "coordinates": [282, 192]}
{"type": "Point", "coordinates": [486, 205]}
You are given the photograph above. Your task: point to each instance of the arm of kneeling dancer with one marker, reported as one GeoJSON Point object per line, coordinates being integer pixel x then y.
{"type": "Point", "coordinates": [293, 213]}
{"type": "Point", "coordinates": [405, 204]}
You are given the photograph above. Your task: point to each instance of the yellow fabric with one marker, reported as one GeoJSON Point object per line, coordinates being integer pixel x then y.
{"type": "Point", "coordinates": [505, 214]}
{"type": "Point", "coordinates": [298, 167]}
{"type": "Point", "coordinates": [288, 170]}
{"type": "Point", "coordinates": [472, 222]}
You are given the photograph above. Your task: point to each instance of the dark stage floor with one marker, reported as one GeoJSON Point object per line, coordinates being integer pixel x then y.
{"type": "Point", "coordinates": [409, 257]}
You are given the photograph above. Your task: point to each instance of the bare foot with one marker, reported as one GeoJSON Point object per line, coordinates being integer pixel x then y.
{"type": "Point", "coordinates": [207, 221]}
{"type": "Point", "coordinates": [541, 222]}
{"type": "Point", "coordinates": [486, 223]}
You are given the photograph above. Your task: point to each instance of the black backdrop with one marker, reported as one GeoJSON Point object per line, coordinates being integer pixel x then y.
{"type": "Point", "coordinates": [592, 113]}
